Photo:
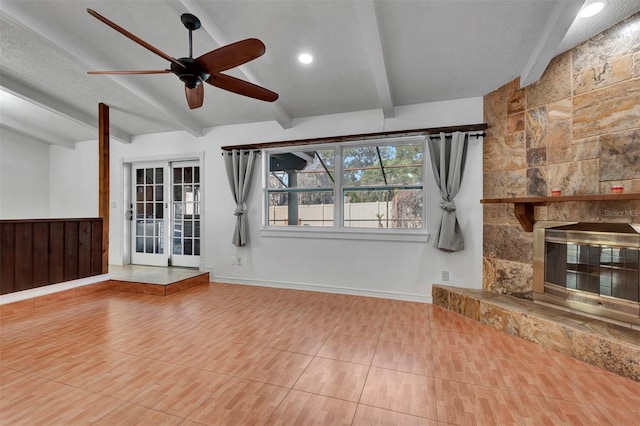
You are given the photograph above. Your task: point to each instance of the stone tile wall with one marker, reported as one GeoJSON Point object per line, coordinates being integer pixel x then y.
{"type": "Point", "coordinates": [577, 129]}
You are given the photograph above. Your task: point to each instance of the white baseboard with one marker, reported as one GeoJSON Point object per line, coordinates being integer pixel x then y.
{"type": "Point", "coordinates": [326, 289]}
{"type": "Point", "coordinates": [50, 289]}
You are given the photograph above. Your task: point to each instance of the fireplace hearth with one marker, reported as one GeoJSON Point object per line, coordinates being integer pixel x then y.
{"type": "Point", "coordinates": [592, 268]}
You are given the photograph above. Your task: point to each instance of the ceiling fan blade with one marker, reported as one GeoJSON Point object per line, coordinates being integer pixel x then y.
{"type": "Point", "coordinates": [231, 55]}
{"type": "Point", "coordinates": [133, 37]}
{"type": "Point", "coordinates": [131, 72]}
{"type": "Point", "coordinates": [241, 87]}
{"type": "Point", "coordinates": [195, 97]}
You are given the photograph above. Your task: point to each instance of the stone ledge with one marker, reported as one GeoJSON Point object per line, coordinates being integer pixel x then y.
{"type": "Point", "coordinates": [605, 345]}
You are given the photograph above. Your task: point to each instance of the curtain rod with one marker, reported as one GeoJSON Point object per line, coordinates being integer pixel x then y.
{"type": "Point", "coordinates": [478, 135]}
{"type": "Point", "coordinates": [246, 151]}
{"type": "Point", "coordinates": [364, 136]}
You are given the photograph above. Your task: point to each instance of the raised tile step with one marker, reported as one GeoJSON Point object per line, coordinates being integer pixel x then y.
{"type": "Point", "coordinates": [116, 285]}
{"type": "Point", "coordinates": [612, 347]}
{"type": "Point", "coordinates": [159, 289]}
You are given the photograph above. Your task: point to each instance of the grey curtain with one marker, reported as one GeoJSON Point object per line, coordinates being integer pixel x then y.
{"type": "Point", "coordinates": [239, 165]}
{"type": "Point", "coordinates": [448, 158]}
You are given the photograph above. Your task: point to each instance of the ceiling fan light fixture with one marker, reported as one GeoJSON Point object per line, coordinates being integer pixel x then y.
{"type": "Point", "coordinates": [191, 81]}
{"type": "Point", "coordinates": [591, 9]}
{"type": "Point", "coordinates": [305, 58]}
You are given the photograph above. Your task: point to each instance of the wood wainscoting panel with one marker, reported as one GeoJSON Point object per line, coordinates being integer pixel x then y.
{"type": "Point", "coordinates": [40, 252]}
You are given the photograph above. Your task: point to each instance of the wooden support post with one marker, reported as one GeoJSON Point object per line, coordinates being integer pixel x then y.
{"type": "Point", "coordinates": [103, 180]}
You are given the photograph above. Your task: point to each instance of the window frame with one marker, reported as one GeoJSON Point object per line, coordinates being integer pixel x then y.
{"type": "Point", "coordinates": [265, 183]}
{"type": "Point", "coordinates": [338, 230]}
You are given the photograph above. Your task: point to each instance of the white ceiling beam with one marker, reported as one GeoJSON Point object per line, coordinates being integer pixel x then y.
{"type": "Point", "coordinates": [20, 131]}
{"type": "Point", "coordinates": [63, 110]}
{"type": "Point", "coordinates": [64, 43]}
{"type": "Point", "coordinates": [369, 22]}
{"type": "Point", "coordinates": [562, 16]}
{"type": "Point", "coordinates": [209, 25]}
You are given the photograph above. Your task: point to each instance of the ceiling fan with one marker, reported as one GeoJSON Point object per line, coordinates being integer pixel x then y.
{"type": "Point", "coordinates": [206, 68]}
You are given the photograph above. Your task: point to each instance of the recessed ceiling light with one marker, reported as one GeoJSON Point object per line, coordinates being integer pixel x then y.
{"type": "Point", "coordinates": [305, 58]}
{"type": "Point", "coordinates": [591, 9]}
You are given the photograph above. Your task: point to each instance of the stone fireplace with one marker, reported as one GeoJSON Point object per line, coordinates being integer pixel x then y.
{"type": "Point", "coordinates": [576, 130]}
{"type": "Point", "coordinates": [566, 131]}
{"type": "Point", "coordinates": [592, 268]}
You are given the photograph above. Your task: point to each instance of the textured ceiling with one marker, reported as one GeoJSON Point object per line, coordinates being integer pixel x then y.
{"type": "Point", "coordinates": [368, 55]}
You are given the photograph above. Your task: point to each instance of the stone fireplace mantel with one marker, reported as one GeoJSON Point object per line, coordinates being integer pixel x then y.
{"type": "Point", "coordinates": [524, 207]}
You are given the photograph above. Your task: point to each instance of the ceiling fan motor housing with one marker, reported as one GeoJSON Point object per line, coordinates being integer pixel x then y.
{"type": "Point", "coordinates": [192, 74]}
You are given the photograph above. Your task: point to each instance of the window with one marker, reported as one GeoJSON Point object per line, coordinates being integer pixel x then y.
{"type": "Point", "coordinates": [369, 184]}
{"type": "Point", "coordinates": [301, 188]}
{"type": "Point", "coordinates": [382, 185]}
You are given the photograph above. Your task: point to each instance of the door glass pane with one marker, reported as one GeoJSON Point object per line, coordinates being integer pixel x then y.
{"type": "Point", "coordinates": [177, 209]}
{"type": "Point", "coordinates": [160, 237]}
{"type": "Point", "coordinates": [186, 210]}
{"type": "Point", "coordinates": [149, 207]}
{"type": "Point", "coordinates": [148, 245]}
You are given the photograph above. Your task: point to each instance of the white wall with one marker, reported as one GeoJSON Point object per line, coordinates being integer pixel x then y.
{"type": "Point", "coordinates": [393, 269]}
{"type": "Point", "coordinates": [38, 180]}
{"type": "Point", "coordinates": [24, 177]}
{"type": "Point", "coordinates": [74, 180]}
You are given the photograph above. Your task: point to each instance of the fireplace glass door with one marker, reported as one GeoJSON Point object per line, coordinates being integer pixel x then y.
{"type": "Point", "coordinates": [597, 269]}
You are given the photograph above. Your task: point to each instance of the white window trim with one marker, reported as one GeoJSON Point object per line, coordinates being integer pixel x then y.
{"type": "Point", "coordinates": [333, 233]}
{"type": "Point", "coordinates": [338, 231]}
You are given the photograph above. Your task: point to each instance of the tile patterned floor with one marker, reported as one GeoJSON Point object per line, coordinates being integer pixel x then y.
{"type": "Point", "coordinates": [240, 355]}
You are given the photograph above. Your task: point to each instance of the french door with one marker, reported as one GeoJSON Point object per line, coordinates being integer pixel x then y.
{"type": "Point", "coordinates": [165, 212]}
{"type": "Point", "coordinates": [186, 206]}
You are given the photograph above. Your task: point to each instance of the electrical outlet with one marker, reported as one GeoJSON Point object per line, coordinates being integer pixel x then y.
{"type": "Point", "coordinates": [445, 275]}
{"type": "Point", "coordinates": [239, 261]}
